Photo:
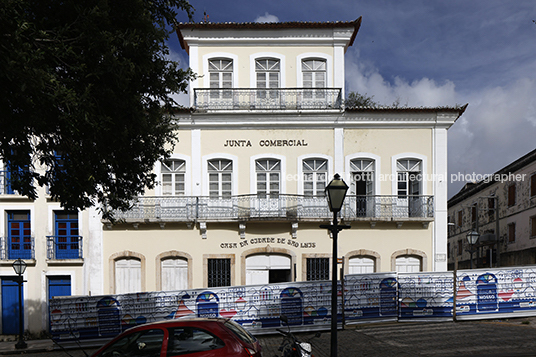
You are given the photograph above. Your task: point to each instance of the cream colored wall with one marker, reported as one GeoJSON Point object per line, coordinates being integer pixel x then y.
{"type": "Point", "coordinates": [223, 240]}
{"type": "Point", "coordinates": [243, 62]}
{"type": "Point", "coordinates": [388, 241]}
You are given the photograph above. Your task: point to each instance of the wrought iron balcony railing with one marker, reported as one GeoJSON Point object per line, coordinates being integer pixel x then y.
{"type": "Point", "coordinates": [11, 248]}
{"type": "Point", "coordinates": [206, 99]}
{"type": "Point", "coordinates": [275, 207]}
{"type": "Point", "coordinates": [64, 247]}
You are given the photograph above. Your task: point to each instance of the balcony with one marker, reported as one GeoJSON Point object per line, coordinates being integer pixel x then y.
{"type": "Point", "coordinates": [14, 248]}
{"type": "Point", "coordinates": [281, 207]}
{"type": "Point", "coordinates": [254, 99]}
{"type": "Point", "coordinates": [64, 247]}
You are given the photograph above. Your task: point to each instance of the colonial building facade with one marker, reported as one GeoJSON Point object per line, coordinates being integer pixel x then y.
{"type": "Point", "coordinates": [503, 202]}
{"type": "Point", "coordinates": [241, 199]}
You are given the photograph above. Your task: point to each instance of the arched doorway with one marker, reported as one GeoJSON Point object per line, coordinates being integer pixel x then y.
{"type": "Point", "coordinates": [408, 264]}
{"type": "Point", "coordinates": [361, 265]}
{"type": "Point", "coordinates": [268, 269]}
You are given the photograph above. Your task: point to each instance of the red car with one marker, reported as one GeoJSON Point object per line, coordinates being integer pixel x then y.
{"type": "Point", "coordinates": [199, 337]}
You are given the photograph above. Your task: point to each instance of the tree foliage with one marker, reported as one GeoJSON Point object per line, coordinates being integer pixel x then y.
{"type": "Point", "coordinates": [360, 100]}
{"type": "Point", "coordinates": [363, 100]}
{"type": "Point", "coordinates": [84, 91]}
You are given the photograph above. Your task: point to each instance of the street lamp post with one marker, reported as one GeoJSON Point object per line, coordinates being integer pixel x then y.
{"type": "Point", "coordinates": [472, 238]}
{"type": "Point", "coordinates": [20, 267]}
{"type": "Point", "coordinates": [336, 193]}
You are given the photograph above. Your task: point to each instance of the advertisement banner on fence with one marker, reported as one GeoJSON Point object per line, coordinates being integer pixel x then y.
{"type": "Point", "coordinates": [257, 307]}
{"type": "Point", "coordinates": [425, 295]}
{"type": "Point", "coordinates": [496, 293]}
{"type": "Point", "coordinates": [370, 297]}
{"type": "Point", "coordinates": [480, 294]}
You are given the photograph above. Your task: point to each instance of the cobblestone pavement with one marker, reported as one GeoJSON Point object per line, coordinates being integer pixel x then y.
{"type": "Point", "coordinates": [497, 338]}
{"type": "Point", "coordinates": [443, 339]}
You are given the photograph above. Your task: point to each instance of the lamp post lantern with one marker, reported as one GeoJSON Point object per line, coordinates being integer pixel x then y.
{"type": "Point", "coordinates": [336, 193]}
{"type": "Point", "coordinates": [472, 238]}
{"type": "Point", "coordinates": [19, 266]}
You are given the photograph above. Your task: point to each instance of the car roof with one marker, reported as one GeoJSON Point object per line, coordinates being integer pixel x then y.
{"type": "Point", "coordinates": [182, 322]}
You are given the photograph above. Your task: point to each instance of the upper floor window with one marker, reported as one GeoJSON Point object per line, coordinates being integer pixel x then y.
{"type": "Point", "coordinates": [362, 182]}
{"type": "Point", "coordinates": [9, 174]}
{"type": "Point", "coordinates": [173, 176]}
{"type": "Point", "coordinates": [512, 195]}
{"type": "Point", "coordinates": [5, 181]}
{"type": "Point", "coordinates": [491, 207]}
{"type": "Point", "coordinates": [314, 73]}
{"type": "Point", "coordinates": [409, 177]}
{"type": "Point", "coordinates": [533, 185]}
{"type": "Point", "coordinates": [221, 73]}
{"type": "Point", "coordinates": [315, 173]}
{"type": "Point", "coordinates": [221, 77]}
{"type": "Point", "coordinates": [19, 235]}
{"type": "Point", "coordinates": [267, 72]}
{"type": "Point", "coordinates": [67, 244]}
{"type": "Point", "coordinates": [220, 176]}
{"type": "Point", "coordinates": [267, 76]}
{"type": "Point", "coordinates": [511, 232]}
{"type": "Point", "coordinates": [474, 214]}
{"type": "Point", "coordinates": [268, 177]}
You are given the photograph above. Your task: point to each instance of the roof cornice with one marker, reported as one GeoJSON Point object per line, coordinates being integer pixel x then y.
{"type": "Point", "coordinates": [185, 29]}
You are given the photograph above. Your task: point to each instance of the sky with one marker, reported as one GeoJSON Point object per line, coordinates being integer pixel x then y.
{"type": "Point", "coordinates": [429, 53]}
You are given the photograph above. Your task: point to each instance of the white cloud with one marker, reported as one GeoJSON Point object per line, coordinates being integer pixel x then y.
{"type": "Point", "coordinates": [365, 79]}
{"type": "Point", "coordinates": [498, 127]}
{"type": "Point", "coordinates": [267, 18]}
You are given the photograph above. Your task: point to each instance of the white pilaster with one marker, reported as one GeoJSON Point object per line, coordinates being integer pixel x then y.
{"type": "Point", "coordinates": [338, 68]}
{"type": "Point", "coordinates": [339, 152]}
{"type": "Point", "coordinates": [194, 65]}
{"type": "Point", "coordinates": [196, 163]}
{"type": "Point", "coordinates": [440, 183]}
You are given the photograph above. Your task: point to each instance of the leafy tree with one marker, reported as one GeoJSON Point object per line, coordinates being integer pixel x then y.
{"type": "Point", "coordinates": [363, 100]}
{"type": "Point", "coordinates": [84, 91]}
{"type": "Point", "coordinates": [360, 100]}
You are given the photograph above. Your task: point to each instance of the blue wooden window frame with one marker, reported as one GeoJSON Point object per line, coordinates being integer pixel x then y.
{"type": "Point", "coordinates": [19, 235]}
{"type": "Point", "coordinates": [66, 240]}
{"type": "Point", "coordinates": [10, 170]}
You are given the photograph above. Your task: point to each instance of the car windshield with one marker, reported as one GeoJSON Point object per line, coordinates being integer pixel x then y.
{"type": "Point", "coordinates": [240, 332]}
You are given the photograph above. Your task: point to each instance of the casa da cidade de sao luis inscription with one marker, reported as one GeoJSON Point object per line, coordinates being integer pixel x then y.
{"type": "Point", "coordinates": [268, 240]}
